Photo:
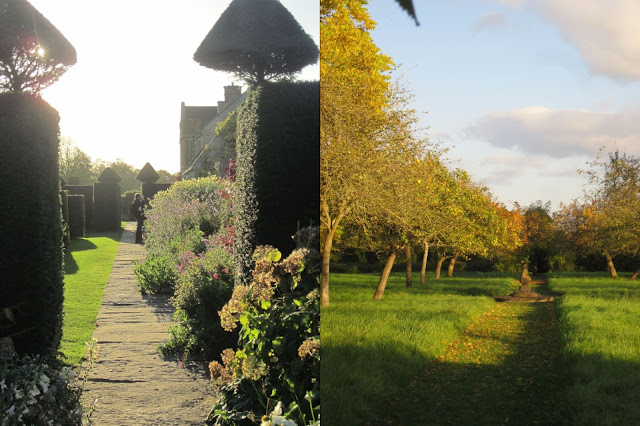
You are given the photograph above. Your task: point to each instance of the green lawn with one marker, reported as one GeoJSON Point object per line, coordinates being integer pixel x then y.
{"type": "Point", "coordinates": [371, 350]}
{"type": "Point", "coordinates": [87, 267]}
{"type": "Point", "coordinates": [600, 329]}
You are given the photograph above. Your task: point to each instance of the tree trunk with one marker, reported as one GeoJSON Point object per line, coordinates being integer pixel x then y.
{"type": "Point", "coordinates": [409, 279]}
{"type": "Point", "coordinates": [324, 272]}
{"type": "Point", "coordinates": [452, 263]}
{"type": "Point", "coordinates": [331, 225]}
{"type": "Point", "coordinates": [635, 275]}
{"type": "Point", "coordinates": [439, 266]}
{"type": "Point", "coordinates": [610, 265]}
{"type": "Point", "coordinates": [423, 270]}
{"type": "Point", "coordinates": [382, 284]}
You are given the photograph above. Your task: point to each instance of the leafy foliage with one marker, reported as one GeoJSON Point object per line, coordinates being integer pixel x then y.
{"type": "Point", "coordinates": [177, 223]}
{"type": "Point", "coordinates": [37, 391]}
{"type": "Point", "coordinates": [354, 94]}
{"type": "Point", "coordinates": [278, 357]}
{"type": "Point", "coordinates": [156, 275]}
{"type": "Point", "coordinates": [204, 285]}
{"type": "Point", "coordinates": [607, 221]}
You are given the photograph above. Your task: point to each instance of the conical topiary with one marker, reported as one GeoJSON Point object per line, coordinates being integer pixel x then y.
{"type": "Point", "coordinates": [33, 52]}
{"type": "Point", "coordinates": [108, 176]}
{"type": "Point", "coordinates": [257, 40]}
{"type": "Point", "coordinates": [148, 174]}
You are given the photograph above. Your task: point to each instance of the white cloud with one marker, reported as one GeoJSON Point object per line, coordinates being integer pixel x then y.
{"type": "Point", "coordinates": [540, 130]}
{"type": "Point", "coordinates": [488, 21]}
{"type": "Point", "coordinates": [605, 32]}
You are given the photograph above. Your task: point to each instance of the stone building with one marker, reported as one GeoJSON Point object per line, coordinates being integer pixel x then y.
{"type": "Point", "coordinates": [200, 148]}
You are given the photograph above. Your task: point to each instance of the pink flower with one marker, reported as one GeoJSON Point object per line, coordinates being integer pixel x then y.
{"type": "Point", "coordinates": [215, 275]}
{"type": "Point", "coordinates": [224, 271]}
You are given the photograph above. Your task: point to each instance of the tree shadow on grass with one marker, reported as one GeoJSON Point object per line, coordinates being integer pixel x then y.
{"type": "Point", "coordinates": [80, 244]}
{"type": "Point", "coordinates": [358, 379]}
{"type": "Point", "coordinates": [601, 390]}
{"type": "Point", "coordinates": [70, 265]}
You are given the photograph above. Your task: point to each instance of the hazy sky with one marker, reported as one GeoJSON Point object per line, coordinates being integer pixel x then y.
{"type": "Point", "coordinates": [135, 66]}
{"type": "Point", "coordinates": [524, 91]}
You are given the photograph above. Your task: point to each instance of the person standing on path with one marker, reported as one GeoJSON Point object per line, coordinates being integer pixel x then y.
{"type": "Point", "coordinates": [137, 211]}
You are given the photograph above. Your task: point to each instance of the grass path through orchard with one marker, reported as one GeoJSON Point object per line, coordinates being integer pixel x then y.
{"type": "Point", "coordinates": [502, 370]}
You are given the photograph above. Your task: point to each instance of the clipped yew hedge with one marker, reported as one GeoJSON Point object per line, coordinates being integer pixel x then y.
{"type": "Point", "coordinates": [76, 216]}
{"type": "Point", "coordinates": [278, 168]}
{"type": "Point", "coordinates": [30, 224]}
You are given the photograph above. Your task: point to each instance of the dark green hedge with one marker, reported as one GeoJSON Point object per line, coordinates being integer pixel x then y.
{"type": "Point", "coordinates": [31, 273]}
{"type": "Point", "coordinates": [149, 190]}
{"type": "Point", "coordinates": [64, 208]}
{"type": "Point", "coordinates": [278, 176]}
{"type": "Point", "coordinates": [76, 216]}
{"type": "Point", "coordinates": [106, 206]}
{"type": "Point", "coordinates": [87, 191]}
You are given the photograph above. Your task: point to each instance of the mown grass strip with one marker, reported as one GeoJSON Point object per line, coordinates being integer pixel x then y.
{"type": "Point", "coordinates": [372, 349]}
{"type": "Point", "coordinates": [600, 338]}
{"type": "Point", "coordinates": [88, 263]}
{"type": "Point", "coordinates": [503, 369]}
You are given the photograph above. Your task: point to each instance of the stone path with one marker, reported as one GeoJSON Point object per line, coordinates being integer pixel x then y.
{"type": "Point", "coordinates": [132, 383]}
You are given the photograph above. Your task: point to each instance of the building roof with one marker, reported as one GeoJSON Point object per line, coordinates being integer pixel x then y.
{"type": "Point", "coordinates": [202, 113]}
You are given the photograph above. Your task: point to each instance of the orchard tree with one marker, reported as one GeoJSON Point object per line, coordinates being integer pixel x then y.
{"type": "Point", "coordinates": [33, 53]}
{"type": "Point", "coordinates": [581, 223]}
{"type": "Point", "coordinates": [354, 93]}
{"type": "Point", "coordinates": [432, 202]}
{"type": "Point", "coordinates": [476, 225]}
{"type": "Point", "coordinates": [609, 220]}
{"type": "Point", "coordinates": [257, 40]}
{"type": "Point", "coordinates": [385, 212]}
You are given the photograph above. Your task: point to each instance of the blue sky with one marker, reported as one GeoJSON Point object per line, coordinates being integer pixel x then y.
{"type": "Point", "coordinates": [523, 92]}
{"type": "Point", "coordinates": [135, 66]}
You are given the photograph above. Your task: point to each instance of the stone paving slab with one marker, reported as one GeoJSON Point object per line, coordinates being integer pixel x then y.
{"type": "Point", "coordinates": [132, 383]}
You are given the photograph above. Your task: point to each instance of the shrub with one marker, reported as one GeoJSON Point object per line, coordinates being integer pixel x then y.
{"type": "Point", "coordinates": [30, 225]}
{"type": "Point", "coordinates": [178, 221]}
{"type": "Point", "coordinates": [156, 274]}
{"type": "Point", "coordinates": [277, 363]}
{"type": "Point", "coordinates": [204, 286]}
{"type": "Point", "coordinates": [278, 168]}
{"type": "Point", "coordinates": [76, 216]}
{"type": "Point", "coordinates": [37, 391]}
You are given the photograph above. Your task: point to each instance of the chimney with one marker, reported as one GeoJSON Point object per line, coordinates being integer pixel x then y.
{"type": "Point", "coordinates": [231, 93]}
